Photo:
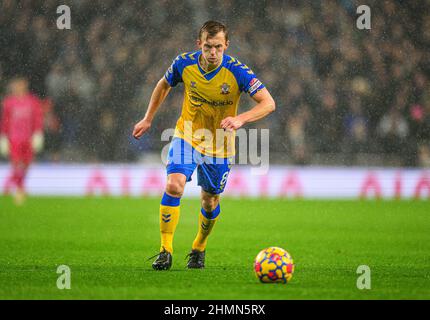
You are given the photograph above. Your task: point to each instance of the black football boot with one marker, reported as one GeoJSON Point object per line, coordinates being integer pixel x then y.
{"type": "Point", "coordinates": [196, 259]}
{"type": "Point", "coordinates": [163, 261]}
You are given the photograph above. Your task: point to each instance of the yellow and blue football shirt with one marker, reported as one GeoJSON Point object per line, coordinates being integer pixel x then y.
{"type": "Point", "coordinates": [209, 97]}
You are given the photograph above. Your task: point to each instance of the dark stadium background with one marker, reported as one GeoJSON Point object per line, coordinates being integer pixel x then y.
{"type": "Point", "coordinates": [345, 96]}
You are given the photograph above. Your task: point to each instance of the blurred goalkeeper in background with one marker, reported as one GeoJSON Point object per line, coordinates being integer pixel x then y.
{"type": "Point", "coordinates": [21, 133]}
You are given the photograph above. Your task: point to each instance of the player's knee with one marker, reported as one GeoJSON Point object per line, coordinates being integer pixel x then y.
{"type": "Point", "coordinates": [209, 203]}
{"type": "Point", "coordinates": [175, 187]}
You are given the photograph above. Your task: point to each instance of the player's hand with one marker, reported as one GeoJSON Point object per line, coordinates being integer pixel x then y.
{"type": "Point", "coordinates": [141, 127]}
{"type": "Point", "coordinates": [231, 123]}
{"type": "Point", "coordinates": [4, 146]}
{"type": "Point", "coordinates": [37, 142]}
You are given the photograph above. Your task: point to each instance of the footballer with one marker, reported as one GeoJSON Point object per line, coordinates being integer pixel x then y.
{"type": "Point", "coordinates": [21, 132]}
{"type": "Point", "coordinates": [204, 133]}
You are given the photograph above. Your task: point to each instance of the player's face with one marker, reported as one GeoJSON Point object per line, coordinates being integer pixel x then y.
{"type": "Point", "coordinates": [19, 87]}
{"type": "Point", "coordinates": [213, 48]}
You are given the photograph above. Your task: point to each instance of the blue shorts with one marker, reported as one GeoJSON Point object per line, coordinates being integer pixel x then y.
{"type": "Point", "coordinates": [212, 172]}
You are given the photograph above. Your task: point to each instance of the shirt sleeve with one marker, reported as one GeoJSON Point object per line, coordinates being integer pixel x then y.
{"type": "Point", "coordinates": [173, 74]}
{"type": "Point", "coordinates": [248, 81]}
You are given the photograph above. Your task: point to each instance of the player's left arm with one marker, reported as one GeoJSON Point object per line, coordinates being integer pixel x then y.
{"type": "Point", "coordinates": [265, 105]}
{"type": "Point", "coordinates": [37, 140]}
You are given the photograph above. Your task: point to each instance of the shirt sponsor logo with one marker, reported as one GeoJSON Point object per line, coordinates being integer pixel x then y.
{"type": "Point", "coordinates": [211, 103]}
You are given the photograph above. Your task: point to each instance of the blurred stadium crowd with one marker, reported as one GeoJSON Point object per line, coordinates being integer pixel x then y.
{"type": "Point", "coordinates": [344, 96]}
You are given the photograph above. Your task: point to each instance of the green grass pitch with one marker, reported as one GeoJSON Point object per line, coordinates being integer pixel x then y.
{"type": "Point", "coordinates": [106, 243]}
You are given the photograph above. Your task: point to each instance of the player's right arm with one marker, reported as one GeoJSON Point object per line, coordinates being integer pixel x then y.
{"type": "Point", "coordinates": [4, 124]}
{"type": "Point", "coordinates": [171, 78]}
{"type": "Point", "coordinates": [159, 94]}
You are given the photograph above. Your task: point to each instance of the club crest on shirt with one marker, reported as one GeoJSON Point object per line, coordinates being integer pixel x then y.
{"type": "Point", "coordinates": [193, 85]}
{"type": "Point", "coordinates": [225, 88]}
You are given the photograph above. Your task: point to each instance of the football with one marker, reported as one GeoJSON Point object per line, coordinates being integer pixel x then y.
{"type": "Point", "coordinates": [274, 264]}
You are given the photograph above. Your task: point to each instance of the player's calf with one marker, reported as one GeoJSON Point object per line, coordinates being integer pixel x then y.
{"type": "Point", "coordinates": [169, 217]}
{"type": "Point", "coordinates": [207, 220]}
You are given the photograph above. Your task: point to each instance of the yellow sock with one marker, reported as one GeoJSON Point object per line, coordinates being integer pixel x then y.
{"type": "Point", "coordinates": [205, 227]}
{"type": "Point", "coordinates": [169, 217]}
